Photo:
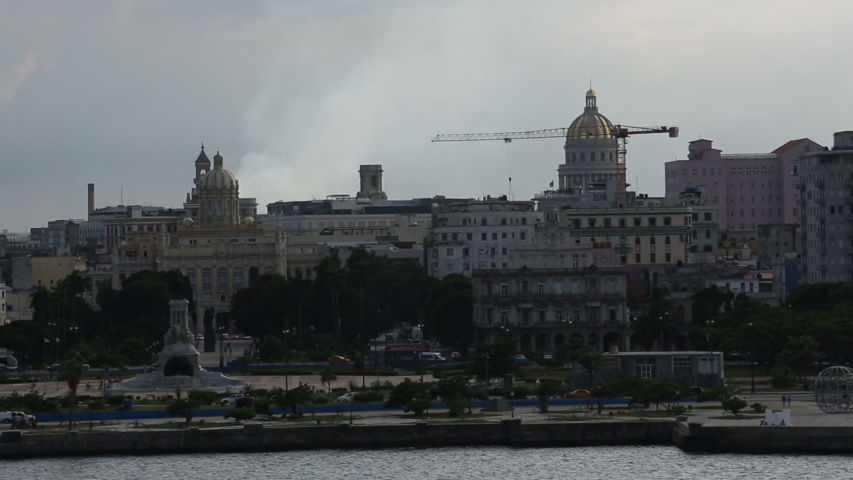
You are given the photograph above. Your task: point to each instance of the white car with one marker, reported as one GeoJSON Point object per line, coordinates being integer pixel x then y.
{"type": "Point", "coordinates": [519, 356]}
{"type": "Point", "coordinates": [232, 400]}
{"type": "Point", "coordinates": [6, 417]}
{"type": "Point", "coordinates": [347, 397]}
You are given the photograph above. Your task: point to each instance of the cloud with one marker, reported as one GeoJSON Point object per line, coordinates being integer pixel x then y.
{"type": "Point", "coordinates": [11, 81]}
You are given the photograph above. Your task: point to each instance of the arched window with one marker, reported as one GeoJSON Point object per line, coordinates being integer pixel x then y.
{"type": "Point", "coordinates": [238, 278]}
{"type": "Point", "coordinates": [191, 275]}
{"type": "Point", "coordinates": [666, 240]}
{"type": "Point", "coordinates": [636, 240]}
{"type": "Point", "coordinates": [602, 156]}
{"type": "Point", "coordinates": [652, 241]}
{"type": "Point", "coordinates": [206, 280]}
{"type": "Point", "coordinates": [222, 282]}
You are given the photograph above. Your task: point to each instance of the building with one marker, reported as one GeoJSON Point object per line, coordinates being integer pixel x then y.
{"type": "Point", "coordinates": [366, 217]}
{"type": "Point", "coordinates": [826, 209]}
{"type": "Point", "coordinates": [631, 235]}
{"type": "Point", "coordinates": [137, 228]}
{"type": "Point", "coordinates": [704, 369]}
{"type": "Point", "coordinates": [747, 189]}
{"type": "Point", "coordinates": [706, 232]}
{"type": "Point", "coordinates": [478, 234]}
{"type": "Point", "coordinates": [4, 319]}
{"type": "Point", "coordinates": [47, 271]}
{"type": "Point", "coordinates": [219, 249]}
{"type": "Point", "coordinates": [546, 307]}
{"type": "Point", "coordinates": [591, 151]}
{"type": "Point", "coordinates": [775, 241]}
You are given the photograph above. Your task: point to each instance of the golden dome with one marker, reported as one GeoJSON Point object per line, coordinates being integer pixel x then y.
{"type": "Point", "coordinates": [591, 124]}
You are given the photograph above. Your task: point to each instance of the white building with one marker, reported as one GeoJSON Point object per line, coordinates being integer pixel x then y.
{"type": "Point", "coordinates": [478, 235]}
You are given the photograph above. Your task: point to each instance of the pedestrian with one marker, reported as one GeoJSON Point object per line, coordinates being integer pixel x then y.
{"type": "Point", "coordinates": [784, 399]}
{"type": "Point", "coordinates": [789, 401]}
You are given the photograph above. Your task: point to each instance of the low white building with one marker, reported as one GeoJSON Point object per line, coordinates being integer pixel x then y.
{"type": "Point", "coordinates": [478, 235]}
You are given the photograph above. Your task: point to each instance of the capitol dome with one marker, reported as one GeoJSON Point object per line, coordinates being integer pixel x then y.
{"type": "Point", "coordinates": [590, 124]}
{"type": "Point", "coordinates": [218, 177]}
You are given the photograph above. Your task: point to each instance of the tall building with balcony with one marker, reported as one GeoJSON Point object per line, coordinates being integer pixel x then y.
{"type": "Point", "coordinates": [826, 209]}
{"type": "Point", "coordinates": [478, 235]}
{"type": "Point", "coordinates": [547, 306]}
{"type": "Point", "coordinates": [706, 232]}
{"type": "Point", "coordinates": [746, 189]}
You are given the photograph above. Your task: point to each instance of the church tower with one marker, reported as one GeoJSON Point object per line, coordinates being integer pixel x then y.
{"type": "Point", "coordinates": [218, 196]}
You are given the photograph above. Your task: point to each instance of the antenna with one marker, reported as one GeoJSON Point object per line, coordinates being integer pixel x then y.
{"type": "Point", "coordinates": [121, 202]}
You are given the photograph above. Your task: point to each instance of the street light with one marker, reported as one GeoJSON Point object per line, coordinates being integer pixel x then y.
{"type": "Point", "coordinates": [710, 347]}
{"type": "Point", "coordinates": [286, 357]}
{"type": "Point", "coordinates": [487, 370]}
{"type": "Point", "coordinates": [751, 360]}
{"type": "Point", "coordinates": [512, 404]}
{"type": "Point", "coordinates": [221, 345]}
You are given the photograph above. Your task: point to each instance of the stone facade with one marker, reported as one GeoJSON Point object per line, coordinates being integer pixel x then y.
{"type": "Point", "coordinates": [546, 307]}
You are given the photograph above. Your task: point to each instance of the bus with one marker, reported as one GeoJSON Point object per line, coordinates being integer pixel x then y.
{"type": "Point", "coordinates": [8, 363]}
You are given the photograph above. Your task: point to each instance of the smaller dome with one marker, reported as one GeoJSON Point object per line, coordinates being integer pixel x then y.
{"type": "Point", "coordinates": [590, 93]}
{"type": "Point", "coordinates": [248, 220]}
{"type": "Point", "coordinates": [218, 177]}
{"type": "Point", "coordinates": [188, 221]}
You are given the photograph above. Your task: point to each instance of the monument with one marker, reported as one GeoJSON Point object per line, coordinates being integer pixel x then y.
{"type": "Point", "coordinates": [833, 390]}
{"type": "Point", "coordinates": [178, 366]}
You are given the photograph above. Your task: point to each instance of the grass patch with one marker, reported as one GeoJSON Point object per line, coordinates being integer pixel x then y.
{"type": "Point", "coordinates": [321, 418]}
{"type": "Point", "coordinates": [180, 425]}
{"type": "Point", "coordinates": [737, 417]}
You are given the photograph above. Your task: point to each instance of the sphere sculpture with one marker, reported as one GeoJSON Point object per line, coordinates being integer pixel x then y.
{"type": "Point", "coordinates": [833, 390]}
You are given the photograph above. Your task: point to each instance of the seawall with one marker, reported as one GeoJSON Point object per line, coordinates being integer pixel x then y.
{"type": "Point", "coordinates": [257, 437]}
{"type": "Point", "coordinates": [698, 438]}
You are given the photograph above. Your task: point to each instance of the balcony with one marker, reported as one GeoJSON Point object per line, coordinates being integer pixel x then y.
{"type": "Point", "coordinates": [801, 186]}
{"type": "Point", "coordinates": [820, 184]}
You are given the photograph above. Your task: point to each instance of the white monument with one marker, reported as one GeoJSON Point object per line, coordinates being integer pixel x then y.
{"type": "Point", "coordinates": [178, 365]}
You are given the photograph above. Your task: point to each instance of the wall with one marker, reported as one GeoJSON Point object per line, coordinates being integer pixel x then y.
{"type": "Point", "coordinates": [694, 437]}
{"type": "Point", "coordinates": [257, 437]}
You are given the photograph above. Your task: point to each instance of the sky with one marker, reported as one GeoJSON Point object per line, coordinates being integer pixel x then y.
{"type": "Point", "coordinates": [297, 94]}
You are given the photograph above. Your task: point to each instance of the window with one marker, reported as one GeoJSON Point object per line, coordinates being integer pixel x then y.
{"type": "Point", "coordinates": [484, 236]}
{"type": "Point", "coordinates": [504, 289]}
{"type": "Point", "coordinates": [638, 221]}
{"type": "Point", "coordinates": [558, 315]}
{"type": "Point", "coordinates": [541, 288]}
{"type": "Point", "coordinates": [682, 366]}
{"type": "Point", "coordinates": [646, 368]}
{"type": "Point", "coordinates": [652, 258]}
{"type": "Point", "coordinates": [238, 278]}
{"type": "Point", "coordinates": [652, 241]}
{"type": "Point", "coordinates": [653, 221]}
{"type": "Point", "coordinates": [206, 281]}
{"type": "Point", "coordinates": [637, 258]}
{"type": "Point", "coordinates": [469, 236]}
{"type": "Point", "coordinates": [449, 252]}
{"type": "Point", "coordinates": [667, 221]}
{"type": "Point", "coordinates": [222, 283]}
{"type": "Point", "coordinates": [636, 240]}
{"type": "Point", "coordinates": [494, 235]}
{"type": "Point", "coordinates": [523, 236]}
{"type": "Point", "coordinates": [504, 316]}
{"type": "Point", "coordinates": [541, 313]}
{"type": "Point", "coordinates": [524, 287]}
{"type": "Point", "coordinates": [668, 257]}
{"type": "Point", "coordinates": [611, 314]}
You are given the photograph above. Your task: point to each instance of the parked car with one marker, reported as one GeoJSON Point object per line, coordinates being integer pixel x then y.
{"type": "Point", "coordinates": [697, 390]}
{"type": "Point", "coordinates": [347, 397]}
{"type": "Point", "coordinates": [431, 356]}
{"type": "Point", "coordinates": [338, 360]}
{"type": "Point", "coordinates": [199, 337]}
{"type": "Point", "coordinates": [519, 356]}
{"type": "Point", "coordinates": [247, 337]}
{"type": "Point", "coordinates": [7, 417]}
{"type": "Point", "coordinates": [232, 400]}
{"type": "Point", "coordinates": [546, 356]}
{"type": "Point", "coordinates": [580, 394]}
{"type": "Point", "coordinates": [455, 355]}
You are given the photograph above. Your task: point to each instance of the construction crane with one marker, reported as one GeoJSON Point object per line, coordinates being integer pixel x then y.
{"type": "Point", "coordinates": [619, 132]}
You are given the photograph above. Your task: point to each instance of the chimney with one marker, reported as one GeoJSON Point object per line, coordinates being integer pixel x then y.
{"type": "Point", "coordinates": [91, 198]}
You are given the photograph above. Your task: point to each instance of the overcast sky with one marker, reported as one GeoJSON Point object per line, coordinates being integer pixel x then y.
{"type": "Point", "coordinates": [297, 94]}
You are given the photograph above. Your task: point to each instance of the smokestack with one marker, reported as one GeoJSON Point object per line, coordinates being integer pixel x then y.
{"type": "Point", "coordinates": [91, 198]}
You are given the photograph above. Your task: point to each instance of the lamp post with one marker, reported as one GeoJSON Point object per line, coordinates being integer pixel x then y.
{"type": "Point", "coordinates": [512, 404]}
{"type": "Point", "coordinates": [710, 347]}
{"type": "Point", "coordinates": [221, 345]}
{"type": "Point", "coordinates": [286, 331]}
{"type": "Point", "coordinates": [487, 370]}
{"type": "Point", "coordinates": [751, 360]}
{"type": "Point", "coordinates": [350, 411]}
{"type": "Point", "coordinates": [313, 410]}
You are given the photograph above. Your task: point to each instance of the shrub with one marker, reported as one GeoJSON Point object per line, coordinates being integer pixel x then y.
{"type": "Point", "coordinates": [96, 404]}
{"type": "Point", "coordinates": [734, 405]}
{"type": "Point", "coordinates": [115, 400]}
{"type": "Point", "coordinates": [261, 393]}
{"type": "Point", "coordinates": [244, 402]}
{"type": "Point", "coordinates": [370, 396]}
{"type": "Point", "coordinates": [204, 397]}
{"type": "Point", "coordinates": [782, 377]}
{"type": "Point", "coordinates": [320, 399]}
{"type": "Point", "coordinates": [262, 406]}
{"type": "Point", "coordinates": [240, 413]}
{"type": "Point", "coordinates": [758, 407]}
{"type": "Point", "coordinates": [678, 410]}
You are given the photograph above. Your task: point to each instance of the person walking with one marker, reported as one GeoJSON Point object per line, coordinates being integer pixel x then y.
{"type": "Point", "coordinates": [784, 399]}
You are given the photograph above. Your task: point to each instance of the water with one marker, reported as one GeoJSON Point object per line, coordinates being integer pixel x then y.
{"type": "Point", "coordinates": [485, 463]}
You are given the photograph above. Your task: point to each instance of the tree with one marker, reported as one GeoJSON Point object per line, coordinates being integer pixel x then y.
{"type": "Point", "coordinates": [588, 357]}
{"type": "Point", "coordinates": [547, 389]}
{"type": "Point", "coordinates": [271, 349]}
{"type": "Point", "coordinates": [800, 354]}
{"type": "Point", "coordinates": [665, 392]}
{"type": "Point", "coordinates": [415, 396]}
{"type": "Point", "coordinates": [327, 376]}
{"type": "Point", "coordinates": [292, 398]}
{"type": "Point", "coordinates": [451, 311]}
{"type": "Point", "coordinates": [497, 357]}
{"type": "Point", "coordinates": [458, 394]}
{"type": "Point", "coordinates": [656, 324]}
{"type": "Point", "coordinates": [71, 372]}
{"type": "Point", "coordinates": [734, 405]}
{"type": "Point", "coordinates": [183, 407]}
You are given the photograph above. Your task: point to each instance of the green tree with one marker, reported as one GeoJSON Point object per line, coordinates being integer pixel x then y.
{"type": "Point", "coordinates": [588, 357]}
{"type": "Point", "coordinates": [293, 398]}
{"type": "Point", "coordinates": [415, 396]}
{"type": "Point", "coordinates": [547, 389]}
{"type": "Point", "coordinates": [451, 311]}
{"type": "Point", "coordinates": [327, 376]}
{"type": "Point", "coordinates": [800, 354]}
{"type": "Point", "coordinates": [71, 372]}
{"type": "Point", "coordinates": [656, 324]}
{"type": "Point", "coordinates": [183, 407]}
{"type": "Point", "coordinates": [271, 349]}
{"type": "Point", "coordinates": [734, 405]}
{"type": "Point", "coordinates": [665, 393]}
{"type": "Point", "coordinates": [497, 357]}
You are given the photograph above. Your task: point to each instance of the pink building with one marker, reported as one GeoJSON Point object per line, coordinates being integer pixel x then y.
{"type": "Point", "coordinates": [748, 189]}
